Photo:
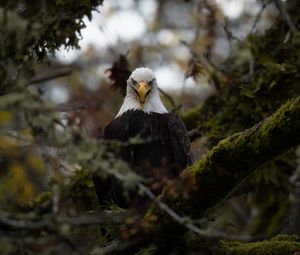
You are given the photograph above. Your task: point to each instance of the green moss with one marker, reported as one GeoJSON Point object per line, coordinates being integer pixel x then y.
{"type": "Point", "coordinates": [281, 245]}
{"type": "Point", "coordinates": [81, 190]}
{"type": "Point", "coordinates": [232, 160]}
{"type": "Point", "coordinates": [246, 98]}
{"type": "Point", "coordinates": [43, 197]}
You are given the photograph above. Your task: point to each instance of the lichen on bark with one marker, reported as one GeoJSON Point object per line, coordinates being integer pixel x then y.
{"type": "Point", "coordinates": [278, 245]}
{"type": "Point", "coordinates": [227, 164]}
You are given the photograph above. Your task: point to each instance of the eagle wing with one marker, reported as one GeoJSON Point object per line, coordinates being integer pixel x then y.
{"type": "Point", "coordinates": [179, 140]}
{"type": "Point", "coordinates": [110, 189]}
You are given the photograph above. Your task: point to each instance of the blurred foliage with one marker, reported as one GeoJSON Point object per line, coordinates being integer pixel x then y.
{"type": "Point", "coordinates": [280, 244]}
{"type": "Point", "coordinates": [253, 83]}
{"type": "Point", "coordinates": [48, 150]}
{"type": "Point", "coordinates": [31, 29]}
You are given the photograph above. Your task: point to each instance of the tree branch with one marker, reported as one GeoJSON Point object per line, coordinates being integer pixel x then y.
{"type": "Point", "coordinates": [51, 75]}
{"type": "Point", "coordinates": [259, 14]}
{"type": "Point", "coordinates": [169, 98]}
{"type": "Point", "coordinates": [8, 222]}
{"type": "Point", "coordinates": [285, 15]}
{"type": "Point", "coordinates": [232, 160]}
{"type": "Point", "coordinates": [281, 244]}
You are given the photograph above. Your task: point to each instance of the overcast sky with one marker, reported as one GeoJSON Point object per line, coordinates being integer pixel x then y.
{"type": "Point", "coordinates": [128, 24]}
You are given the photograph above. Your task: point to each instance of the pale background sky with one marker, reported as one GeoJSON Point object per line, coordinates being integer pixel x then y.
{"type": "Point", "coordinates": [119, 20]}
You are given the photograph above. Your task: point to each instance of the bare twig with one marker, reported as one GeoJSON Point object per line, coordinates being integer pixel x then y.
{"type": "Point", "coordinates": [193, 134]}
{"type": "Point", "coordinates": [229, 34]}
{"type": "Point", "coordinates": [285, 15]}
{"type": "Point", "coordinates": [116, 246]}
{"type": "Point", "coordinates": [188, 223]}
{"type": "Point", "coordinates": [16, 137]}
{"type": "Point", "coordinates": [84, 220]}
{"type": "Point", "coordinates": [92, 219]}
{"type": "Point", "coordinates": [181, 220]}
{"type": "Point", "coordinates": [51, 75]}
{"type": "Point", "coordinates": [55, 198]}
{"type": "Point", "coordinates": [169, 98]}
{"type": "Point", "coordinates": [21, 147]}
{"type": "Point", "coordinates": [71, 108]}
{"type": "Point", "coordinates": [184, 221]}
{"type": "Point", "coordinates": [258, 16]}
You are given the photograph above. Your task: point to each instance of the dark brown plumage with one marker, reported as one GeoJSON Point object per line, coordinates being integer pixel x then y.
{"type": "Point", "coordinates": [164, 150]}
{"type": "Point", "coordinates": [163, 154]}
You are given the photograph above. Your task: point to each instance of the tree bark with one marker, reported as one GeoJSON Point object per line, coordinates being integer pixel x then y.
{"type": "Point", "coordinates": [228, 163]}
{"type": "Point", "coordinates": [281, 244]}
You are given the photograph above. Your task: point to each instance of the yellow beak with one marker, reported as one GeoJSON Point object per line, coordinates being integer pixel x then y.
{"type": "Point", "coordinates": [143, 89]}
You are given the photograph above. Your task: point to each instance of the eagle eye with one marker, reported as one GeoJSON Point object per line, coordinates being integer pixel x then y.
{"type": "Point", "coordinates": [134, 82]}
{"type": "Point", "coordinates": [151, 82]}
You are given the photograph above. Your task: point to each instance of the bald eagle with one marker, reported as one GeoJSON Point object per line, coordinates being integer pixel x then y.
{"type": "Point", "coordinates": [165, 149]}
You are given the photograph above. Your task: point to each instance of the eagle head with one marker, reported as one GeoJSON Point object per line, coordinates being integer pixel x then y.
{"type": "Point", "coordinates": [142, 83]}
{"type": "Point", "coordinates": [142, 93]}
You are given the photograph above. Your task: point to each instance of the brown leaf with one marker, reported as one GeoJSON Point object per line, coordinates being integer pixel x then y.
{"type": "Point", "coordinates": [119, 73]}
{"type": "Point", "coordinates": [195, 68]}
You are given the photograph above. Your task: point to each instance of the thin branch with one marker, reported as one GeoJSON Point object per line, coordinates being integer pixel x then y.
{"type": "Point", "coordinates": [181, 220]}
{"type": "Point", "coordinates": [184, 221]}
{"type": "Point", "coordinates": [169, 98]}
{"type": "Point", "coordinates": [83, 220]}
{"type": "Point", "coordinates": [51, 75]}
{"type": "Point", "coordinates": [229, 34]}
{"type": "Point", "coordinates": [16, 137]}
{"type": "Point", "coordinates": [285, 15]}
{"type": "Point", "coordinates": [21, 147]}
{"type": "Point", "coordinates": [7, 221]}
{"type": "Point", "coordinates": [92, 219]}
{"type": "Point", "coordinates": [188, 223]}
{"type": "Point", "coordinates": [115, 247]}
{"type": "Point", "coordinates": [258, 16]}
{"type": "Point", "coordinates": [72, 108]}
{"type": "Point", "coordinates": [193, 134]}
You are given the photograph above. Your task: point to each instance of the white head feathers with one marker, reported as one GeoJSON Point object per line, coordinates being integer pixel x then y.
{"type": "Point", "coordinates": [142, 93]}
{"type": "Point", "coordinates": [142, 74]}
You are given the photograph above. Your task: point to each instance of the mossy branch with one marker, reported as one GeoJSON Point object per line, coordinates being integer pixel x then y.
{"type": "Point", "coordinates": [232, 160]}
{"type": "Point", "coordinates": [281, 244]}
